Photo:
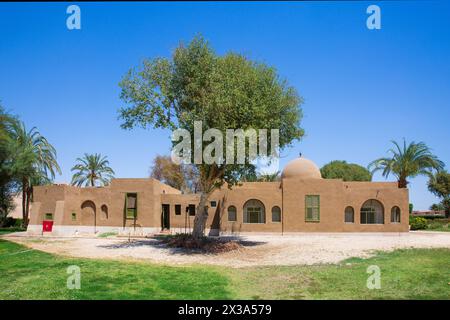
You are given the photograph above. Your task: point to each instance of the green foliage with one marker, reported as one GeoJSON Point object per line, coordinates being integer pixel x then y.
{"type": "Point", "coordinates": [407, 161]}
{"type": "Point", "coordinates": [91, 170]}
{"type": "Point", "coordinates": [345, 171]}
{"type": "Point", "coordinates": [439, 224]}
{"type": "Point", "coordinates": [12, 222]}
{"type": "Point", "coordinates": [26, 159]}
{"type": "Point", "coordinates": [224, 92]}
{"type": "Point", "coordinates": [7, 163]}
{"type": "Point", "coordinates": [437, 207]}
{"type": "Point", "coordinates": [439, 185]}
{"type": "Point", "coordinates": [34, 161]}
{"type": "Point", "coordinates": [107, 234]}
{"type": "Point", "coordinates": [411, 207]}
{"type": "Point", "coordinates": [35, 155]}
{"type": "Point", "coordinates": [417, 223]}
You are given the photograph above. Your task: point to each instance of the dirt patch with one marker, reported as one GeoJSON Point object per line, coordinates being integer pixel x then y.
{"type": "Point", "coordinates": [254, 250]}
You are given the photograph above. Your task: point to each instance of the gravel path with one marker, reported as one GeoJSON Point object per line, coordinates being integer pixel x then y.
{"type": "Point", "coordinates": [300, 249]}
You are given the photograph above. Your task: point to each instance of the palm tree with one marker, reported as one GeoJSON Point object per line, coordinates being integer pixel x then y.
{"type": "Point", "coordinates": [6, 161]}
{"type": "Point", "coordinates": [407, 161]}
{"type": "Point", "coordinates": [92, 168]}
{"type": "Point", "coordinates": [34, 162]}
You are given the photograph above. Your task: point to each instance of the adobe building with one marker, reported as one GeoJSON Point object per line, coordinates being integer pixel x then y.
{"type": "Point", "coordinates": [301, 202]}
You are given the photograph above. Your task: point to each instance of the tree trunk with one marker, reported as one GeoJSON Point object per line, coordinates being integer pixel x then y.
{"type": "Point", "coordinates": [29, 194]}
{"type": "Point", "coordinates": [209, 176]}
{"type": "Point", "coordinates": [200, 217]}
{"type": "Point", "coordinates": [24, 204]}
{"type": "Point", "coordinates": [402, 183]}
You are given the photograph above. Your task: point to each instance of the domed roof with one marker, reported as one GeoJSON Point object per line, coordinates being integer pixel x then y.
{"type": "Point", "coordinates": [301, 168]}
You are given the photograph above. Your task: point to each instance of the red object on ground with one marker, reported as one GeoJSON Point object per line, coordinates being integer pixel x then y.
{"type": "Point", "coordinates": [47, 226]}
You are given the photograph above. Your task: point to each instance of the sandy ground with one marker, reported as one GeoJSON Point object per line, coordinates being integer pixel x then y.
{"type": "Point", "coordinates": [300, 249]}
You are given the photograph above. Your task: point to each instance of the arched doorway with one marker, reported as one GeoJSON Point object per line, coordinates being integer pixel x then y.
{"type": "Point", "coordinates": [89, 214]}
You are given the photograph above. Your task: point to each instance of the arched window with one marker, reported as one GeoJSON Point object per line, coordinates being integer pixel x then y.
{"type": "Point", "coordinates": [395, 214]}
{"type": "Point", "coordinates": [372, 212]}
{"type": "Point", "coordinates": [254, 212]}
{"type": "Point", "coordinates": [232, 214]}
{"type": "Point", "coordinates": [276, 214]}
{"type": "Point", "coordinates": [104, 214]}
{"type": "Point", "coordinates": [349, 215]}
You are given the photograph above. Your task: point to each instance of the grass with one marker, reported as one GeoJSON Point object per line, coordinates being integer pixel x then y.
{"type": "Point", "coordinates": [107, 234]}
{"type": "Point", "coordinates": [405, 274]}
{"type": "Point", "coordinates": [11, 230]}
{"type": "Point", "coordinates": [31, 274]}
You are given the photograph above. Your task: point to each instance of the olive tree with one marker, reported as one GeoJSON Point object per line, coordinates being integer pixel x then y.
{"type": "Point", "coordinates": [223, 92]}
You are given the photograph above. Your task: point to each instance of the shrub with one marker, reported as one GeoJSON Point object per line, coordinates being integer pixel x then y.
{"type": "Point", "coordinates": [107, 234]}
{"type": "Point", "coordinates": [417, 223]}
{"type": "Point", "coordinates": [18, 223]}
{"type": "Point", "coordinates": [429, 217]}
{"type": "Point", "coordinates": [11, 222]}
{"type": "Point", "coordinates": [439, 224]}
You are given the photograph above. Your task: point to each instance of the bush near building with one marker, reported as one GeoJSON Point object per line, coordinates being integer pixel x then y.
{"type": "Point", "coordinates": [418, 223]}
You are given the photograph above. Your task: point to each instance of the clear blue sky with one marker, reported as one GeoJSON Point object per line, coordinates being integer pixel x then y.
{"type": "Point", "coordinates": [362, 88]}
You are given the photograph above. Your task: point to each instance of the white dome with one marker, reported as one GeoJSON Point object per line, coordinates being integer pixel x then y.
{"type": "Point", "coordinates": [301, 168]}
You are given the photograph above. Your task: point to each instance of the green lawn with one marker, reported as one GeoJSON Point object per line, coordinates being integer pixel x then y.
{"type": "Point", "coordinates": [405, 274]}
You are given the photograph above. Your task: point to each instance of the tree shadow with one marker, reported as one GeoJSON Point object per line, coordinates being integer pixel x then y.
{"type": "Point", "coordinates": [160, 242]}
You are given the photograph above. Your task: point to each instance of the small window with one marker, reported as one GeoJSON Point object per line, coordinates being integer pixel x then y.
{"type": "Point", "coordinates": [213, 204]}
{"type": "Point", "coordinates": [74, 216]}
{"type": "Point", "coordinates": [191, 209]}
{"type": "Point", "coordinates": [178, 209]}
{"type": "Point", "coordinates": [131, 205]}
{"type": "Point", "coordinates": [49, 216]}
{"type": "Point", "coordinates": [349, 215]}
{"type": "Point", "coordinates": [276, 214]}
{"type": "Point", "coordinates": [312, 210]}
{"type": "Point", "coordinates": [232, 214]}
{"type": "Point", "coordinates": [395, 214]}
{"type": "Point", "coordinates": [104, 212]}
